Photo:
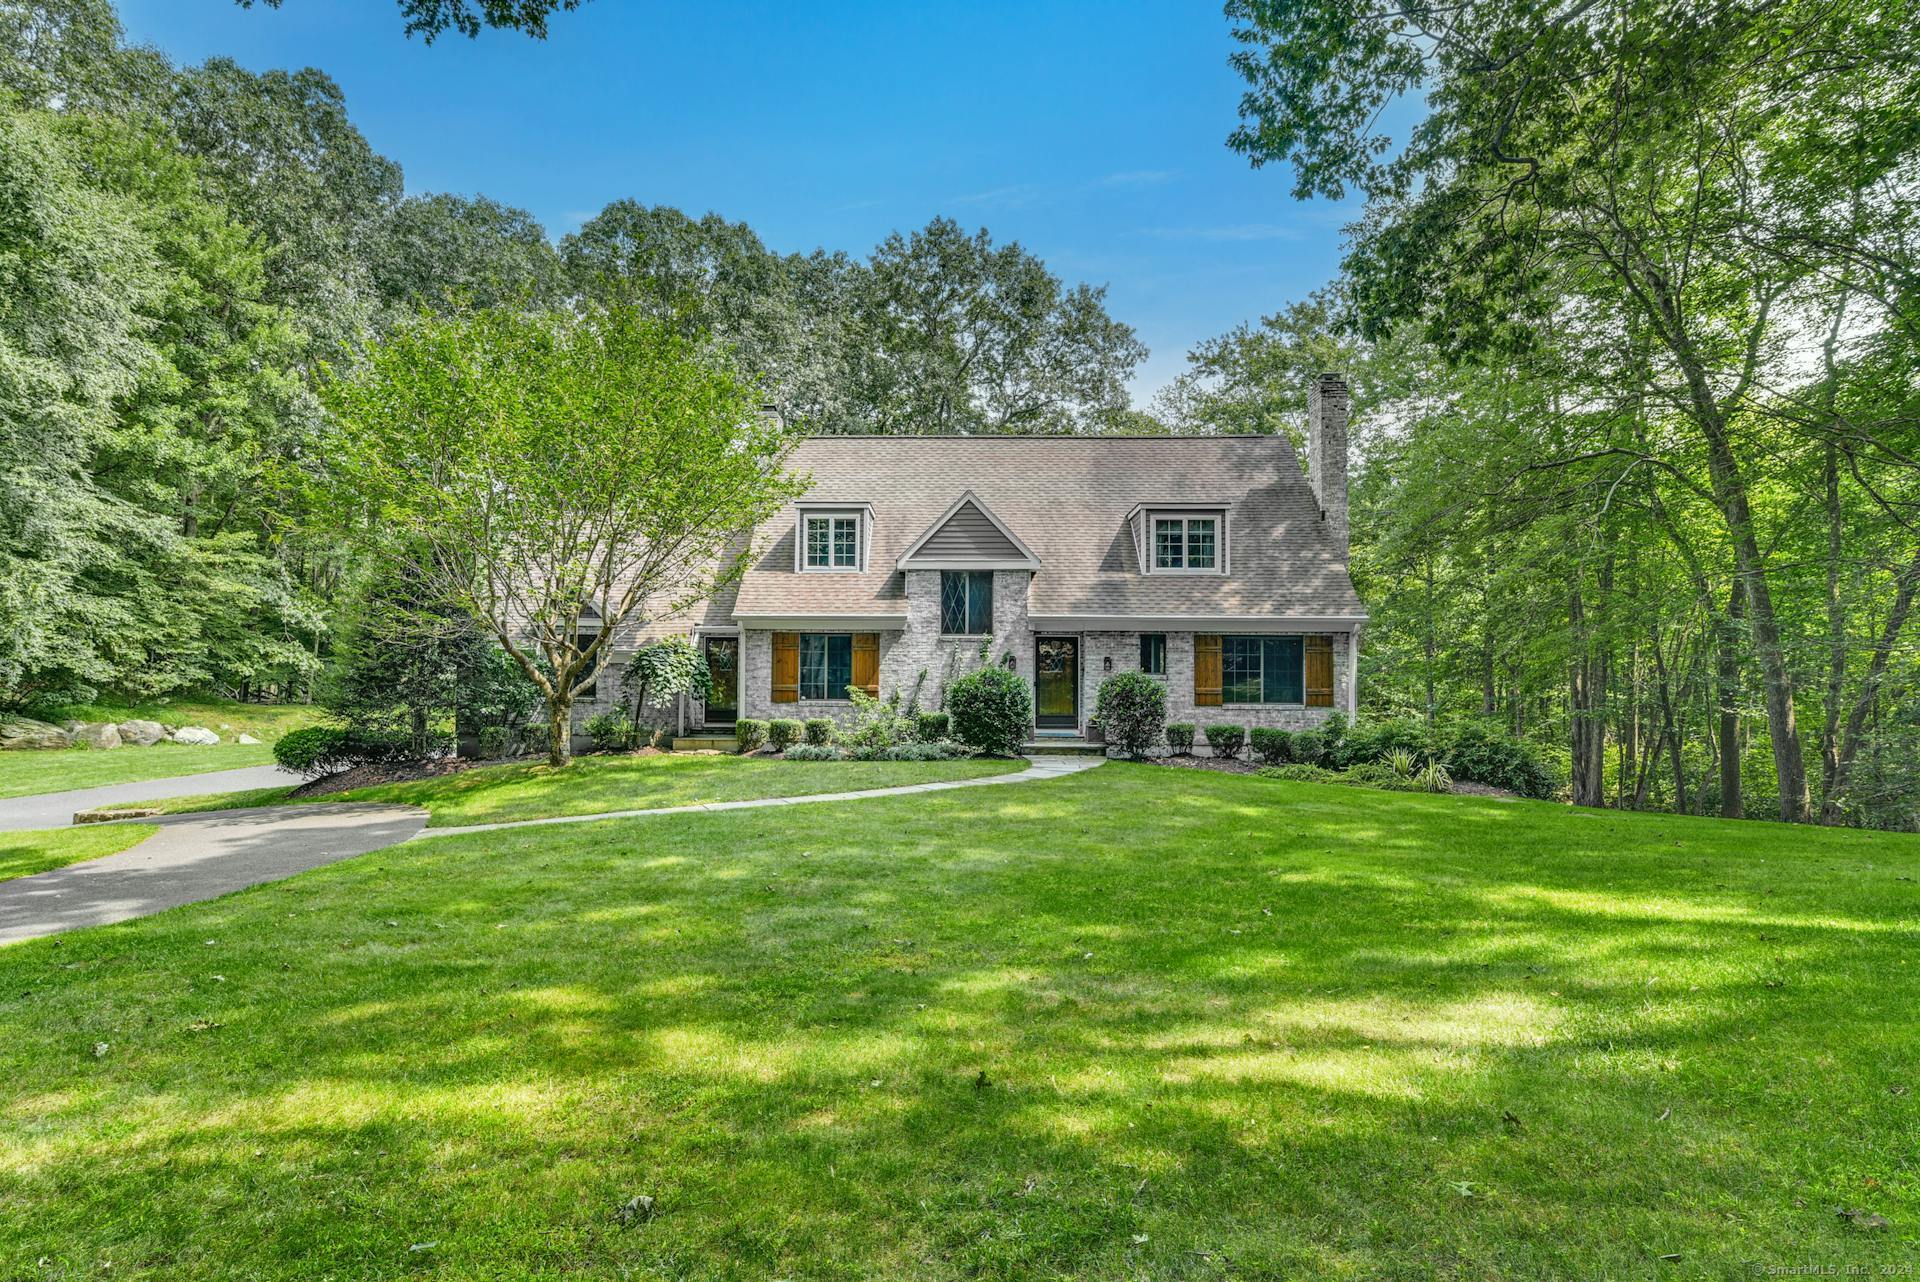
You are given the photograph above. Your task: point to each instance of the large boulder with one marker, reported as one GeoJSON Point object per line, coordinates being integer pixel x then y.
{"type": "Point", "coordinates": [94, 734]}
{"type": "Point", "coordinates": [142, 734]}
{"type": "Point", "coordinates": [198, 735]}
{"type": "Point", "coordinates": [22, 733]}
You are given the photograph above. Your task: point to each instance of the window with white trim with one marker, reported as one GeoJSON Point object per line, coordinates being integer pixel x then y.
{"type": "Point", "coordinates": [832, 541]}
{"type": "Point", "coordinates": [1186, 544]}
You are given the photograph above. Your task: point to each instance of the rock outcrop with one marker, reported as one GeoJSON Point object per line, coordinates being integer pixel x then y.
{"type": "Point", "coordinates": [24, 733]}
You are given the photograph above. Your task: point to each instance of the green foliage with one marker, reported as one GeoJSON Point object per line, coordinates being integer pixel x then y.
{"type": "Point", "coordinates": [821, 730]}
{"type": "Point", "coordinates": [1377, 740]}
{"type": "Point", "coordinates": [931, 727]}
{"type": "Point", "coordinates": [495, 742]}
{"type": "Point", "coordinates": [749, 734]}
{"type": "Point", "coordinates": [1132, 710]}
{"type": "Point", "coordinates": [1309, 747]}
{"type": "Point", "coordinates": [1483, 753]}
{"type": "Point", "coordinates": [1300, 772]}
{"type": "Point", "coordinates": [811, 751]}
{"type": "Point", "coordinates": [496, 701]}
{"type": "Point", "coordinates": [577, 466]}
{"type": "Point", "coordinates": [660, 672]}
{"type": "Point", "coordinates": [609, 732]}
{"type": "Point", "coordinates": [1180, 737]}
{"type": "Point", "coordinates": [1226, 740]}
{"type": "Point", "coordinates": [324, 750]}
{"type": "Point", "coordinates": [910, 751]}
{"type": "Point", "coordinates": [1271, 745]}
{"type": "Point", "coordinates": [784, 732]}
{"type": "Point", "coordinates": [878, 723]}
{"type": "Point", "coordinates": [992, 710]}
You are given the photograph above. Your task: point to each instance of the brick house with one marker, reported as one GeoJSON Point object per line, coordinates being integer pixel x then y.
{"type": "Point", "coordinates": [1216, 563]}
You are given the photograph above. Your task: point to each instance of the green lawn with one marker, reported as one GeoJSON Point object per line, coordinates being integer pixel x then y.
{"type": "Point", "coordinates": [25, 773]}
{"type": "Point", "coordinates": [23, 854]}
{"type": "Point", "coordinates": [594, 785]}
{"type": "Point", "coordinates": [1135, 1023]}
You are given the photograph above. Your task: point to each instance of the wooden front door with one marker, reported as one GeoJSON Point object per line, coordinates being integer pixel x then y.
{"type": "Point", "coordinates": [1056, 683]}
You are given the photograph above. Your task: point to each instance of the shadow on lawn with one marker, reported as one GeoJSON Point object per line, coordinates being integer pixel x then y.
{"type": "Point", "coordinates": [1270, 1045]}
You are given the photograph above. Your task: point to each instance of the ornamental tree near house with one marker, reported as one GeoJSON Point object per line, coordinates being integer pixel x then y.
{"type": "Point", "coordinates": [554, 476]}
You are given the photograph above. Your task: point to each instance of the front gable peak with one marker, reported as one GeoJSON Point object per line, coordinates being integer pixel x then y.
{"type": "Point", "coordinates": [968, 536]}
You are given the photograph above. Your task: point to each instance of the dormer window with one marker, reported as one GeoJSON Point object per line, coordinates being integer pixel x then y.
{"type": "Point", "coordinates": [832, 541]}
{"type": "Point", "coordinates": [1184, 544]}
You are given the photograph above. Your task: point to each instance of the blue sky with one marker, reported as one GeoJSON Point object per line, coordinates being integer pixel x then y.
{"type": "Point", "coordinates": [1093, 134]}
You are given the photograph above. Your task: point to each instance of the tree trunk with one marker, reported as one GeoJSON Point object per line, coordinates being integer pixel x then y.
{"type": "Point", "coordinates": [1833, 799]}
{"type": "Point", "coordinates": [1732, 806]}
{"type": "Point", "coordinates": [559, 727]}
{"type": "Point", "coordinates": [1588, 696]}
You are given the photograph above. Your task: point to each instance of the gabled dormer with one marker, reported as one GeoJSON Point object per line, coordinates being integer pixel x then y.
{"type": "Point", "coordinates": [832, 538]}
{"type": "Point", "coordinates": [1181, 538]}
{"type": "Point", "coordinates": [968, 536]}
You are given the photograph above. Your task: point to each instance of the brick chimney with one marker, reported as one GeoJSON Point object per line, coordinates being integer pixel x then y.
{"type": "Point", "coordinates": [1327, 452]}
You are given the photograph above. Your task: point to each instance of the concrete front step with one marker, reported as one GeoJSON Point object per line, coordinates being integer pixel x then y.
{"type": "Point", "coordinates": [1063, 748]}
{"type": "Point", "coordinates": [705, 743]}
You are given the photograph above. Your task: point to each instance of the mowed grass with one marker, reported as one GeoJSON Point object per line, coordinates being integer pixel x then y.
{"type": "Point", "coordinates": [22, 854]}
{"type": "Point", "coordinates": [596, 785]}
{"type": "Point", "coordinates": [1135, 1023]}
{"type": "Point", "coordinates": [26, 773]}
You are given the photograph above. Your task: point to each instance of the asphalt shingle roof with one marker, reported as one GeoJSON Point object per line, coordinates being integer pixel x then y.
{"type": "Point", "coordinates": [1068, 498]}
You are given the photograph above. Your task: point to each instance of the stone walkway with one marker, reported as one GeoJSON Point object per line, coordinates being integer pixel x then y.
{"type": "Point", "coordinates": [1039, 767]}
{"type": "Point", "coordinates": [203, 856]}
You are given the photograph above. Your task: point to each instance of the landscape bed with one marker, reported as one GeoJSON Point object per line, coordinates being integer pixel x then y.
{"type": "Point", "coordinates": [1132, 1023]}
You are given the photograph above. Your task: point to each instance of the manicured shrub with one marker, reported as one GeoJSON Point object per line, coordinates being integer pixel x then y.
{"type": "Point", "coordinates": [784, 732]}
{"type": "Point", "coordinates": [749, 733]}
{"type": "Point", "coordinates": [1482, 752]}
{"type": "Point", "coordinates": [1271, 745]}
{"type": "Point", "coordinates": [1226, 740]}
{"type": "Point", "coordinates": [324, 750]}
{"type": "Point", "coordinates": [932, 727]}
{"type": "Point", "coordinates": [820, 731]}
{"type": "Point", "coordinates": [992, 710]}
{"type": "Point", "coordinates": [1132, 711]}
{"type": "Point", "coordinates": [1309, 747]}
{"type": "Point", "coordinates": [811, 752]}
{"type": "Point", "coordinates": [1180, 738]}
{"type": "Point", "coordinates": [609, 731]}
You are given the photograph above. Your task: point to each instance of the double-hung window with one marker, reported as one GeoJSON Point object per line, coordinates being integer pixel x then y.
{"type": "Point", "coordinates": [833, 542]}
{"type": "Point", "coordinates": [1262, 670]}
{"type": "Point", "coordinates": [1186, 543]}
{"type": "Point", "coordinates": [966, 602]}
{"type": "Point", "coordinates": [1153, 653]}
{"type": "Point", "coordinates": [826, 664]}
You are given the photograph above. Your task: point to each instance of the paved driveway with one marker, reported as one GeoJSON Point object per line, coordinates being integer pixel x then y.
{"type": "Point", "coordinates": [195, 857]}
{"type": "Point", "coordinates": [55, 809]}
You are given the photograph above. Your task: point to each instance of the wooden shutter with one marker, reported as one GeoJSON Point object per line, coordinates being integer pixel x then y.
{"type": "Point", "coordinates": [1320, 672]}
{"type": "Point", "coordinates": [786, 667]}
{"type": "Point", "coordinates": [866, 662]}
{"type": "Point", "coordinates": [1206, 670]}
